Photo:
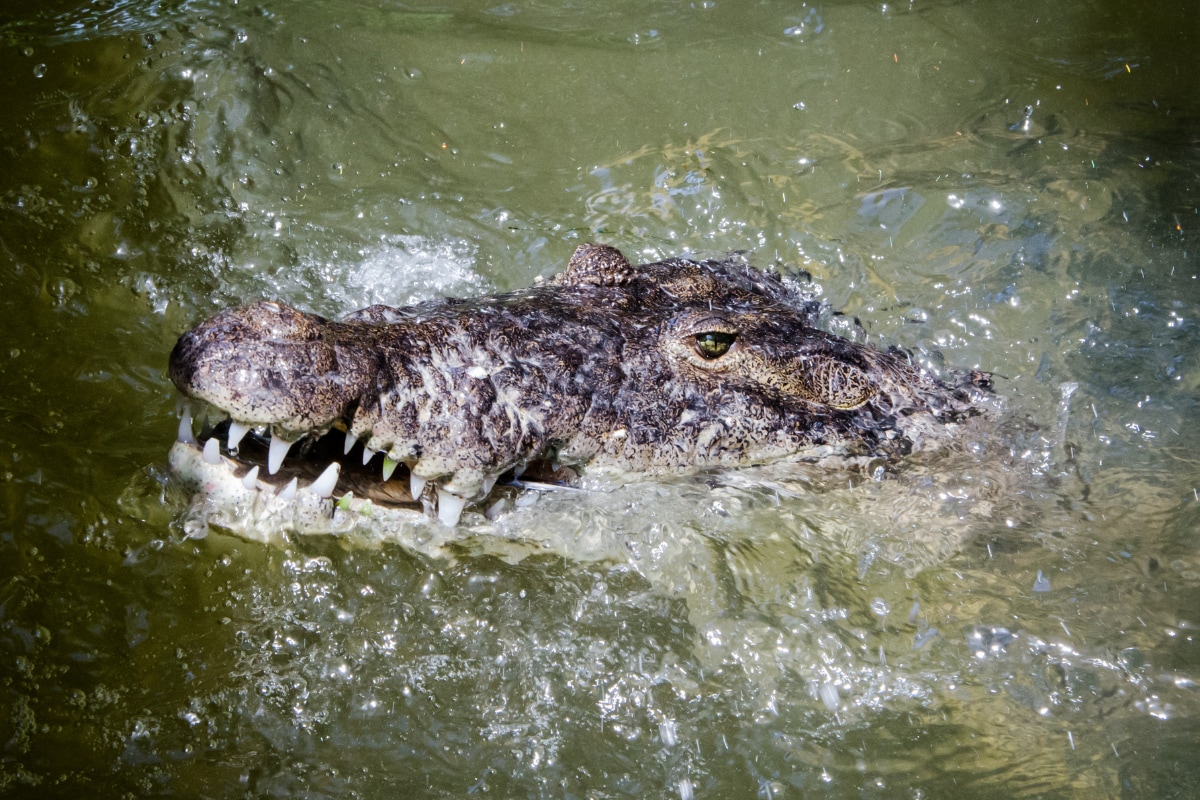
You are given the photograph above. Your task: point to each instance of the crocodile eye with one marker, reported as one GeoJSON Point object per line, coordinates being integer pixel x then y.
{"type": "Point", "coordinates": [714, 344]}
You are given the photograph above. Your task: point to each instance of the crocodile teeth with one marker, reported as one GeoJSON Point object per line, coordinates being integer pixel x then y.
{"type": "Point", "coordinates": [495, 509]}
{"type": "Point", "coordinates": [488, 484]}
{"type": "Point", "coordinates": [368, 454]}
{"type": "Point", "coordinates": [279, 451]}
{"type": "Point", "coordinates": [450, 507]}
{"type": "Point", "coordinates": [212, 452]}
{"type": "Point", "coordinates": [416, 485]}
{"type": "Point", "coordinates": [185, 427]}
{"type": "Point", "coordinates": [289, 491]}
{"type": "Point", "coordinates": [389, 466]}
{"type": "Point", "coordinates": [250, 479]}
{"type": "Point", "coordinates": [351, 440]}
{"type": "Point", "coordinates": [323, 486]}
{"type": "Point", "coordinates": [236, 431]}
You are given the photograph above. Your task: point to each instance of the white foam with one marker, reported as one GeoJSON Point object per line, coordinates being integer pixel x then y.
{"type": "Point", "coordinates": [403, 270]}
{"type": "Point", "coordinates": [398, 271]}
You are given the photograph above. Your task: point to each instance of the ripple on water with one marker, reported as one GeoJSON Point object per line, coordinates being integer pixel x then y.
{"type": "Point", "coordinates": [778, 634]}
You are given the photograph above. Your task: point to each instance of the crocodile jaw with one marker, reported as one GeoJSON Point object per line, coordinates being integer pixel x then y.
{"type": "Point", "coordinates": [254, 509]}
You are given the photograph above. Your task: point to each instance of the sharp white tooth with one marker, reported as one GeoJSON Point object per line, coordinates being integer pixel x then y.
{"type": "Point", "coordinates": [323, 486]}
{"type": "Point", "coordinates": [495, 509]}
{"type": "Point", "coordinates": [250, 479]}
{"type": "Point", "coordinates": [416, 485]}
{"type": "Point", "coordinates": [368, 454]}
{"type": "Point", "coordinates": [185, 427]}
{"type": "Point", "coordinates": [212, 452]}
{"type": "Point", "coordinates": [488, 483]}
{"type": "Point", "coordinates": [236, 431]}
{"type": "Point", "coordinates": [389, 466]}
{"type": "Point", "coordinates": [289, 491]}
{"type": "Point", "coordinates": [351, 440]}
{"type": "Point", "coordinates": [279, 451]}
{"type": "Point", "coordinates": [450, 508]}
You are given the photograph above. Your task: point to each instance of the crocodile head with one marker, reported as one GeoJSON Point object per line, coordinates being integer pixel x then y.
{"type": "Point", "coordinates": [666, 367]}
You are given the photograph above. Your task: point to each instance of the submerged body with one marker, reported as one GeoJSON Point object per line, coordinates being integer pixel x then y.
{"type": "Point", "coordinates": [666, 367]}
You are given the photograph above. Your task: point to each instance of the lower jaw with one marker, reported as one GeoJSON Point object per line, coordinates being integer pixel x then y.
{"type": "Point", "coordinates": [264, 511]}
{"type": "Point", "coordinates": [257, 460]}
{"type": "Point", "coordinates": [326, 491]}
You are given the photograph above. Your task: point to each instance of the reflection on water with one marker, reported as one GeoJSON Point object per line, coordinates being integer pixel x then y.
{"type": "Point", "coordinates": [1010, 192]}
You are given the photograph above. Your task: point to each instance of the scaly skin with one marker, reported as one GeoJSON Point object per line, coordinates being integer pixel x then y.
{"type": "Point", "coordinates": [664, 367]}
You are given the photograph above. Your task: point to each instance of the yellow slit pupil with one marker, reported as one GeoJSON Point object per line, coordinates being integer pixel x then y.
{"type": "Point", "coordinates": [714, 344]}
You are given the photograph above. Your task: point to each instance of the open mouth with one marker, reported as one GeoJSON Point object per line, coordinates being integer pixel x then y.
{"type": "Point", "coordinates": [324, 472]}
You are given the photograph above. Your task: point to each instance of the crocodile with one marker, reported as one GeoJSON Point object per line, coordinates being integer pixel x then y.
{"type": "Point", "coordinates": [675, 366]}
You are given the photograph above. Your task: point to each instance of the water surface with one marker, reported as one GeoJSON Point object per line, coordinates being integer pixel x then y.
{"type": "Point", "coordinates": [994, 186]}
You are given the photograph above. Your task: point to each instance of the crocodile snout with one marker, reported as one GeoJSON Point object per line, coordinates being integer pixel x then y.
{"type": "Point", "coordinates": [270, 364]}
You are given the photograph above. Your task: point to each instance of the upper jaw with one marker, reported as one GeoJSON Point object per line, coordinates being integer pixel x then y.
{"type": "Point", "coordinates": [296, 379]}
{"type": "Point", "coordinates": [269, 364]}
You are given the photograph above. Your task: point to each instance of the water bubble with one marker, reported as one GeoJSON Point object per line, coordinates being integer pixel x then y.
{"type": "Point", "coordinates": [984, 640]}
{"type": "Point", "coordinates": [924, 637]}
{"type": "Point", "coordinates": [39, 71]}
{"type": "Point", "coordinates": [666, 732]}
{"type": "Point", "coordinates": [829, 696]}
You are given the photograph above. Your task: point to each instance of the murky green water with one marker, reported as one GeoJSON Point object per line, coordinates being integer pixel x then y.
{"type": "Point", "coordinates": [1008, 186]}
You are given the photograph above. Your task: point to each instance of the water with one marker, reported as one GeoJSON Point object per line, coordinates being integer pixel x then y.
{"type": "Point", "coordinates": [991, 186]}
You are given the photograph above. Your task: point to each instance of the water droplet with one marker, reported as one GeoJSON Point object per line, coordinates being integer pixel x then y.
{"type": "Point", "coordinates": [39, 71]}
{"type": "Point", "coordinates": [923, 637]}
{"type": "Point", "coordinates": [1041, 583]}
